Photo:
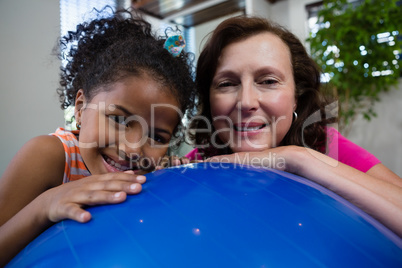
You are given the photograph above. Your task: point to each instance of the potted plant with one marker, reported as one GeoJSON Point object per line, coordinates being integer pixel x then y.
{"type": "Point", "coordinates": [358, 47]}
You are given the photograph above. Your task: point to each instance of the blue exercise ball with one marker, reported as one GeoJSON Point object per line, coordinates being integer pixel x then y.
{"type": "Point", "coordinates": [220, 215]}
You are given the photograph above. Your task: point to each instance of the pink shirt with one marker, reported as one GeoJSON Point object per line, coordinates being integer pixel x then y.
{"type": "Point", "coordinates": [339, 148]}
{"type": "Point", "coordinates": [347, 152]}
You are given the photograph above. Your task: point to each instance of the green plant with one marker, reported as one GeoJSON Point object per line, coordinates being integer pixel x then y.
{"type": "Point", "coordinates": [357, 46]}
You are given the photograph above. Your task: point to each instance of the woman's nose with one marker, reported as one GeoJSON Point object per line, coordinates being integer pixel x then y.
{"type": "Point", "coordinates": [248, 98]}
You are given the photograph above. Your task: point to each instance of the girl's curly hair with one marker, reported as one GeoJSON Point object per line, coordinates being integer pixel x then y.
{"type": "Point", "coordinates": [107, 50]}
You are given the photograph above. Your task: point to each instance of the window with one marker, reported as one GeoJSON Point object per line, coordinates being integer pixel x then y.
{"type": "Point", "coordinates": [73, 12]}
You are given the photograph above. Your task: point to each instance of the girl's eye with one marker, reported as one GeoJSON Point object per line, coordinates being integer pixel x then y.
{"type": "Point", "coordinates": [158, 138]}
{"type": "Point", "coordinates": [121, 120]}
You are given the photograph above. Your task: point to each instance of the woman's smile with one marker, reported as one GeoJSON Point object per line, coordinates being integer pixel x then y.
{"type": "Point", "coordinates": [253, 94]}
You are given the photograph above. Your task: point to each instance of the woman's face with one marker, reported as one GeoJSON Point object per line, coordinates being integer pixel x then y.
{"type": "Point", "coordinates": [252, 94]}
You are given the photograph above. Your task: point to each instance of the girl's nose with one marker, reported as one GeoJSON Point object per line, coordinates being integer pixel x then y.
{"type": "Point", "coordinates": [131, 142]}
{"type": "Point", "coordinates": [248, 98]}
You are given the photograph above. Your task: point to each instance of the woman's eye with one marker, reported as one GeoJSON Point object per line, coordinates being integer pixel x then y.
{"type": "Point", "coordinates": [226, 84]}
{"type": "Point", "coordinates": [269, 82]}
{"type": "Point", "coordinates": [121, 120]}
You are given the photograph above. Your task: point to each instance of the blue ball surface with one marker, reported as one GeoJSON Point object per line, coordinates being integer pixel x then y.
{"type": "Point", "coordinates": [219, 215]}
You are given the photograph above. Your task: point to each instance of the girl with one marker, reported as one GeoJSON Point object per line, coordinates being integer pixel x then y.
{"type": "Point", "coordinates": [259, 93]}
{"type": "Point", "coordinates": [129, 94]}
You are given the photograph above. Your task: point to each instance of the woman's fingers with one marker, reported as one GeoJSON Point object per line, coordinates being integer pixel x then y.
{"type": "Point", "coordinates": [171, 161]}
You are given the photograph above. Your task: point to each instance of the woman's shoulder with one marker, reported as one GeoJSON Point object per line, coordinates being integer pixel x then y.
{"type": "Point", "coordinates": [349, 153]}
{"type": "Point", "coordinates": [192, 155]}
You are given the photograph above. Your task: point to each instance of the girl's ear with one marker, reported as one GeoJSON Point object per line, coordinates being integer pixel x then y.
{"type": "Point", "coordinates": [80, 101]}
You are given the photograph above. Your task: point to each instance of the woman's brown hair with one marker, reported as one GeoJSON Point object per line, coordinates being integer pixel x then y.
{"type": "Point", "coordinates": [306, 75]}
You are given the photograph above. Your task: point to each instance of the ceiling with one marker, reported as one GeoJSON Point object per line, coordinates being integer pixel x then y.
{"type": "Point", "coordinates": [190, 13]}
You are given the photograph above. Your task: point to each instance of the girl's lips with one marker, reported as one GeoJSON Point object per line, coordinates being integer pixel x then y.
{"type": "Point", "coordinates": [113, 166]}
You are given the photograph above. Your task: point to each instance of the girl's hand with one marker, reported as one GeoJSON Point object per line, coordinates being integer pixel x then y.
{"type": "Point", "coordinates": [68, 200]}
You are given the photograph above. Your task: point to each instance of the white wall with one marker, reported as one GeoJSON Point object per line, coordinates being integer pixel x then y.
{"type": "Point", "coordinates": [201, 31]}
{"type": "Point", "coordinates": [382, 136]}
{"type": "Point", "coordinates": [28, 73]}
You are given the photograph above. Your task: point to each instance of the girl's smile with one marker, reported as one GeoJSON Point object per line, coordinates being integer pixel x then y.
{"type": "Point", "coordinates": [126, 126]}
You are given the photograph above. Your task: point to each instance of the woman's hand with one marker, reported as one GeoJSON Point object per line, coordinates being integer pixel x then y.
{"type": "Point", "coordinates": [68, 200]}
{"type": "Point", "coordinates": [380, 198]}
{"type": "Point", "coordinates": [171, 161]}
{"type": "Point", "coordinates": [276, 158]}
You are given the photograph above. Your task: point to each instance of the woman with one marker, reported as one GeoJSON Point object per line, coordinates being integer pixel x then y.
{"type": "Point", "coordinates": [260, 98]}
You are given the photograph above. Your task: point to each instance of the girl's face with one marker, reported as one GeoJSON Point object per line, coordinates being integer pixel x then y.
{"type": "Point", "coordinates": [128, 126]}
{"type": "Point", "coordinates": [252, 94]}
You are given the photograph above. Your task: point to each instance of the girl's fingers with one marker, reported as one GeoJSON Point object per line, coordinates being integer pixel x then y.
{"type": "Point", "coordinates": [98, 197]}
{"type": "Point", "coordinates": [73, 207]}
{"type": "Point", "coordinates": [70, 211]}
{"type": "Point", "coordinates": [119, 176]}
{"type": "Point", "coordinates": [68, 200]}
{"type": "Point", "coordinates": [116, 186]}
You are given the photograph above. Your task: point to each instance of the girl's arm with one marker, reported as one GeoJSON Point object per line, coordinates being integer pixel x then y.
{"type": "Point", "coordinates": [38, 166]}
{"type": "Point", "coordinates": [32, 196]}
{"type": "Point", "coordinates": [382, 199]}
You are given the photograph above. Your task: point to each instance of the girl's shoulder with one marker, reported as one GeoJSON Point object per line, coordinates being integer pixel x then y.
{"type": "Point", "coordinates": [37, 166]}
{"type": "Point", "coordinates": [41, 157]}
{"type": "Point", "coordinates": [45, 144]}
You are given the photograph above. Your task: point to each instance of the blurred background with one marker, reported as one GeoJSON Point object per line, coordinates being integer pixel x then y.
{"type": "Point", "coordinates": [29, 30]}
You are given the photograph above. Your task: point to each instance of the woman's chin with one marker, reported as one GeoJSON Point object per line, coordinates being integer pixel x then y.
{"type": "Point", "coordinates": [245, 147]}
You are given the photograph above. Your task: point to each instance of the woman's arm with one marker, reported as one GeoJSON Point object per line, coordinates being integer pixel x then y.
{"type": "Point", "coordinates": [32, 196]}
{"type": "Point", "coordinates": [379, 198]}
{"type": "Point", "coordinates": [380, 171]}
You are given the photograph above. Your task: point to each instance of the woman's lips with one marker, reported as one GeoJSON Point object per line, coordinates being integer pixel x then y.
{"type": "Point", "coordinates": [249, 129]}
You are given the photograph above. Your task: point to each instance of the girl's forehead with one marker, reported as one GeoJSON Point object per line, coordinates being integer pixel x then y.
{"type": "Point", "coordinates": [135, 89]}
